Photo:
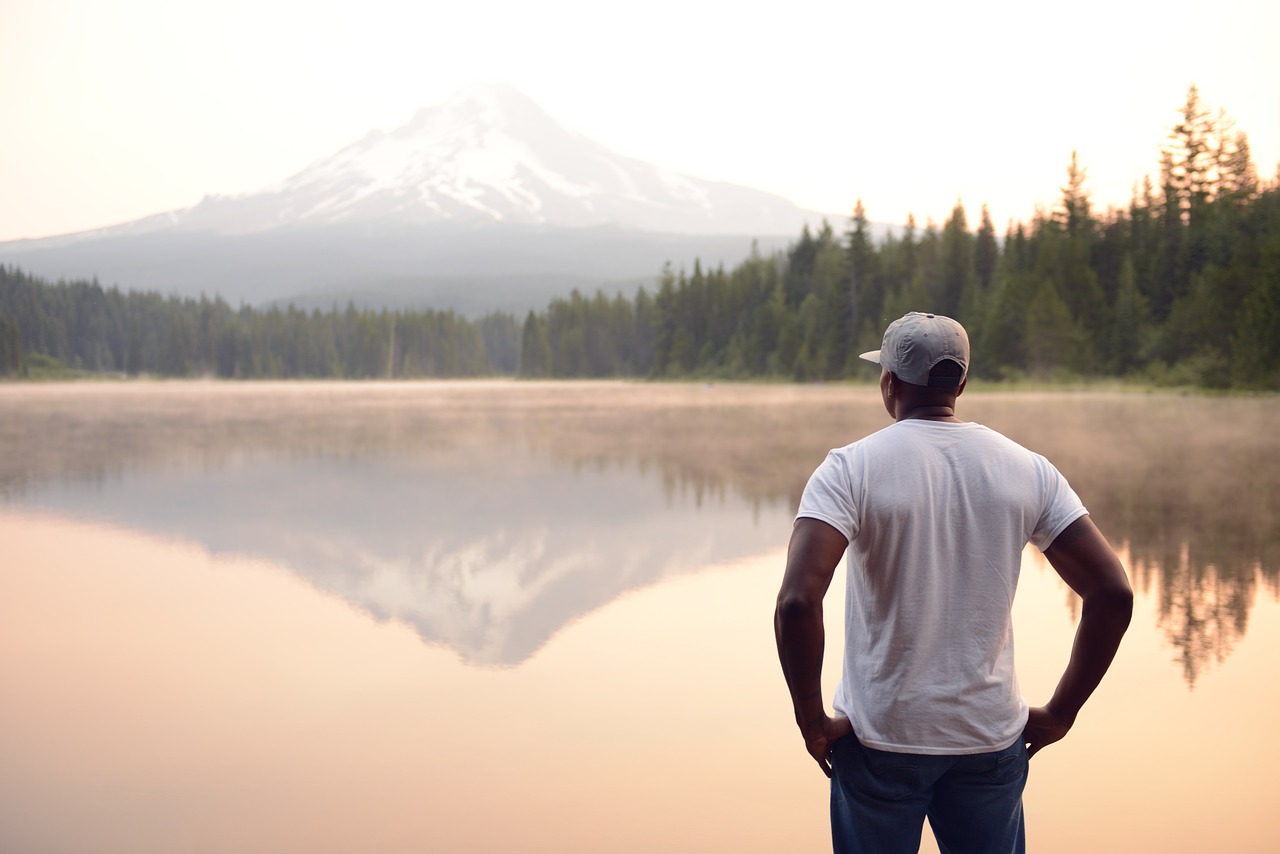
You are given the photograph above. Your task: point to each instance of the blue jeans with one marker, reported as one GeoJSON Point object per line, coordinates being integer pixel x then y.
{"type": "Point", "coordinates": [879, 800]}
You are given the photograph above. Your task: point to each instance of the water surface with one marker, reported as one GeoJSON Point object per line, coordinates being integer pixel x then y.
{"type": "Point", "coordinates": [536, 617]}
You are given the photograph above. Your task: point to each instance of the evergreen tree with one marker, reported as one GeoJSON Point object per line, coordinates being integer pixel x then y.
{"type": "Point", "coordinates": [535, 348]}
{"type": "Point", "coordinates": [986, 251]}
{"type": "Point", "coordinates": [865, 285]}
{"type": "Point", "coordinates": [11, 363]}
{"type": "Point", "coordinates": [1256, 342]}
{"type": "Point", "coordinates": [1130, 321]}
{"type": "Point", "coordinates": [1073, 214]}
{"type": "Point", "coordinates": [1052, 339]}
{"type": "Point", "coordinates": [957, 293]}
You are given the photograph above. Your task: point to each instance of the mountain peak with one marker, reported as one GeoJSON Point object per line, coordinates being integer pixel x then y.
{"type": "Point", "coordinates": [487, 103]}
{"type": "Point", "coordinates": [490, 153]}
{"type": "Point", "coordinates": [492, 95]}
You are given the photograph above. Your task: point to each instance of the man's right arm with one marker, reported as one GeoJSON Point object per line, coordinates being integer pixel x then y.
{"type": "Point", "coordinates": [1090, 567]}
{"type": "Point", "coordinates": [812, 557]}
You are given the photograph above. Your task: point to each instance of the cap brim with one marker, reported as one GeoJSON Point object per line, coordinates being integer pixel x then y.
{"type": "Point", "coordinates": [872, 356]}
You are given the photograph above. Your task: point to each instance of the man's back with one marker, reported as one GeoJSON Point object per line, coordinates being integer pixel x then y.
{"type": "Point", "coordinates": [937, 515]}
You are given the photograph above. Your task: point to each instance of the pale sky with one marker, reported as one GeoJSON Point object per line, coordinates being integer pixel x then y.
{"type": "Point", "coordinates": [114, 110]}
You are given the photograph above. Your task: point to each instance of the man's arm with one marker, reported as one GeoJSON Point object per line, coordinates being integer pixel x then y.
{"type": "Point", "coordinates": [812, 557]}
{"type": "Point", "coordinates": [1090, 567]}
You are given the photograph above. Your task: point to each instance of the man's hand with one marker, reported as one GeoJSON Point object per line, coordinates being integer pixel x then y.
{"type": "Point", "coordinates": [1042, 729]}
{"type": "Point", "coordinates": [821, 734]}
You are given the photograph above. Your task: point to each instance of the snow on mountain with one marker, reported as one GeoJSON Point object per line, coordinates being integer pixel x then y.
{"type": "Point", "coordinates": [490, 154]}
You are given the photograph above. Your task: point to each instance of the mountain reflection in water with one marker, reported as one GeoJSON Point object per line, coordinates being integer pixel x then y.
{"type": "Point", "coordinates": [488, 515]}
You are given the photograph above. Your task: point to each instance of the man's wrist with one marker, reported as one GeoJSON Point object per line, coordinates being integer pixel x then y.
{"type": "Point", "coordinates": [810, 711]}
{"type": "Point", "coordinates": [1061, 715]}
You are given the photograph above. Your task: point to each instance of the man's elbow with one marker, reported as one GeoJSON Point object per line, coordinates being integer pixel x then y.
{"type": "Point", "coordinates": [1124, 604]}
{"type": "Point", "coordinates": [1114, 602]}
{"type": "Point", "coordinates": [793, 606]}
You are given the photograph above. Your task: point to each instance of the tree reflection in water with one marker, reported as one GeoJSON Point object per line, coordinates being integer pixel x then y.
{"type": "Point", "coordinates": [1187, 486]}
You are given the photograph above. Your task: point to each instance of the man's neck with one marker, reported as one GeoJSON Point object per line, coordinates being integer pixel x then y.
{"type": "Point", "coordinates": [929, 413]}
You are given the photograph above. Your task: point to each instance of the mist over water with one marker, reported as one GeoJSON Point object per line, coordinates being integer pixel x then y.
{"type": "Point", "coordinates": [346, 483]}
{"type": "Point", "coordinates": [474, 553]}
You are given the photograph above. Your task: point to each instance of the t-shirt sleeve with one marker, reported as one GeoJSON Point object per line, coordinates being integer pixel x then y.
{"type": "Point", "coordinates": [1061, 505]}
{"type": "Point", "coordinates": [829, 497]}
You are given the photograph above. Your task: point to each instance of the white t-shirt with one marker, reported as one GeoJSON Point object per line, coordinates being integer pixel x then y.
{"type": "Point", "coordinates": [937, 515]}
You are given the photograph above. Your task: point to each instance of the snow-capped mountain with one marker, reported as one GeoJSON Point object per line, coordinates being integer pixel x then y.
{"type": "Point", "coordinates": [490, 154]}
{"type": "Point", "coordinates": [484, 192]}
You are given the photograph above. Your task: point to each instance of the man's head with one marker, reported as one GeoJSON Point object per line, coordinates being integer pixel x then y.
{"type": "Point", "coordinates": [916, 343]}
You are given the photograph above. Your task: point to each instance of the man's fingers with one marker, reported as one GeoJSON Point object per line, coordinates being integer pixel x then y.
{"type": "Point", "coordinates": [822, 736]}
{"type": "Point", "coordinates": [837, 729]}
{"type": "Point", "coordinates": [823, 758]}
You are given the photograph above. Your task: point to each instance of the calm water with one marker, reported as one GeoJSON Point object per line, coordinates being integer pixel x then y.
{"type": "Point", "coordinates": [492, 617]}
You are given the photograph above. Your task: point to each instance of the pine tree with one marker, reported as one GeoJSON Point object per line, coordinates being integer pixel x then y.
{"type": "Point", "coordinates": [535, 348]}
{"type": "Point", "coordinates": [1130, 321]}
{"type": "Point", "coordinates": [865, 295]}
{"type": "Point", "coordinates": [986, 251]}
{"type": "Point", "coordinates": [956, 295]}
{"type": "Point", "coordinates": [1256, 343]}
{"type": "Point", "coordinates": [11, 363]}
{"type": "Point", "coordinates": [1052, 338]}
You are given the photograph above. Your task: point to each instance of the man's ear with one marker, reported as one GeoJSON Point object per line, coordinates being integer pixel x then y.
{"type": "Point", "coordinates": [888, 388]}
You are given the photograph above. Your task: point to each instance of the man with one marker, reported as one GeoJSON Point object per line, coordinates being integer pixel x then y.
{"type": "Point", "coordinates": [933, 514]}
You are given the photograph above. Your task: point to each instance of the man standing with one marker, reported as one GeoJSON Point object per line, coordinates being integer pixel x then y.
{"type": "Point", "coordinates": [933, 514]}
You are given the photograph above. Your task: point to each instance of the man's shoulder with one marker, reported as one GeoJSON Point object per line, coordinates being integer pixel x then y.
{"type": "Point", "coordinates": [998, 438]}
{"type": "Point", "coordinates": [874, 444]}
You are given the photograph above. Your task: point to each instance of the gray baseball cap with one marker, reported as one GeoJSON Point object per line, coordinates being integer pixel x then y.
{"type": "Point", "coordinates": [917, 341]}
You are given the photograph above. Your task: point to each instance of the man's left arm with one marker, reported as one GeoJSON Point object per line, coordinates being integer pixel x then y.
{"type": "Point", "coordinates": [812, 557]}
{"type": "Point", "coordinates": [1090, 567]}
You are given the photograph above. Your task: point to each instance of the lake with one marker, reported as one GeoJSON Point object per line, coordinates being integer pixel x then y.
{"type": "Point", "coordinates": [537, 617]}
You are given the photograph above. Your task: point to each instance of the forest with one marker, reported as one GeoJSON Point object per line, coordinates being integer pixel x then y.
{"type": "Point", "coordinates": [1179, 287]}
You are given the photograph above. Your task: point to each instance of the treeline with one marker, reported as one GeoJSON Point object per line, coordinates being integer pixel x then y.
{"type": "Point", "coordinates": [87, 327]}
{"type": "Point", "coordinates": [1182, 286]}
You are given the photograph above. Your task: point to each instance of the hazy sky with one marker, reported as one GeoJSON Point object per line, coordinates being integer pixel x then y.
{"type": "Point", "coordinates": [110, 111]}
